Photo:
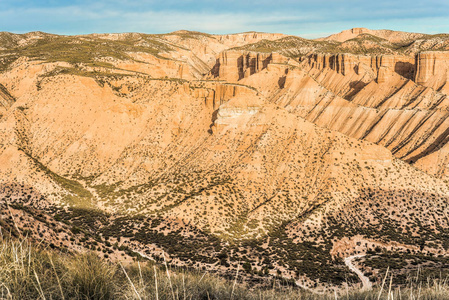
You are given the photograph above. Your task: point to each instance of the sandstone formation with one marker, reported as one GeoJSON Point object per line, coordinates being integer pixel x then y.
{"type": "Point", "coordinates": [388, 100]}
{"type": "Point", "coordinates": [235, 65]}
{"type": "Point", "coordinates": [347, 64]}
{"type": "Point", "coordinates": [432, 70]}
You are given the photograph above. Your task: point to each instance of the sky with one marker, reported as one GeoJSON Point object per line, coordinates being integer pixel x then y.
{"type": "Point", "coordinates": [309, 19]}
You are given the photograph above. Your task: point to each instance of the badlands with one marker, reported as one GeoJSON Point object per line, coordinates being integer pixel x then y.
{"type": "Point", "coordinates": [299, 159]}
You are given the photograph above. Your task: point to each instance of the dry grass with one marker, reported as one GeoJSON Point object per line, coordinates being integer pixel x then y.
{"type": "Point", "coordinates": [27, 272]}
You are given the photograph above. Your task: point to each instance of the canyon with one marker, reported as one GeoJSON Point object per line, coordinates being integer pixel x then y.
{"type": "Point", "coordinates": [294, 156]}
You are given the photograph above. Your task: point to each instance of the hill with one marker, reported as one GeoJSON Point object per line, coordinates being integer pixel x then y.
{"type": "Point", "coordinates": [296, 158]}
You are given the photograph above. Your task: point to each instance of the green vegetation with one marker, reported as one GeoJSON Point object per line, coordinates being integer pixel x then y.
{"type": "Point", "coordinates": [96, 50]}
{"type": "Point", "coordinates": [79, 196]}
{"type": "Point", "coordinates": [296, 47]}
{"type": "Point", "coordinates": [89, 50]}
{"type": "Point", "coordinates": [6, 58]}
{"type": "Point", "coordinates": [405, 266]}
{"type": "Point", "coordinates": [243, 85]}
{"type": "Point", "coordinates": [290, 46]}
{"type": "Point", "coordinates": [81, 72]}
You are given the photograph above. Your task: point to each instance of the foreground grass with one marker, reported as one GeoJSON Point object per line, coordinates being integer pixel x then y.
{"type": "Point", "coordinates": [27, 272]}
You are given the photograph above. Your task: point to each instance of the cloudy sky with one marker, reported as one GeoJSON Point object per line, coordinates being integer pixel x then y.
{"type": "Point", "coordinates": [311, 18]}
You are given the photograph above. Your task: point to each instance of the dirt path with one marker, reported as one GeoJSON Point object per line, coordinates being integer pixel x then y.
{"type": "Point", "coordinates": [366, 283]}
{"type": "Point", "coordinates": [143, 255]}
{"type": "Point", "coordinates": [301, 284]}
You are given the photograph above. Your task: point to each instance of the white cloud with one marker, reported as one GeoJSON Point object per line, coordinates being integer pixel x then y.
{"type": "Point", "coordinates": [70, 19]}
{"type": "Point", "coordinates": [309, 20]}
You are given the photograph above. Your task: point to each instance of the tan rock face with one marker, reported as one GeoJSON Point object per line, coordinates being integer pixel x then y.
{"type": "Point", "coordinates": [406, 117]}
{"type": "Point", "coordinates": [432, 68]}
{"type": "Point", "coordinates": [347, 64]}
{"type": "Point", "coordinates": [339, 63]}
{"type": "Point", "coordinates": [384, 74]}
{"type": "Point", "coordinates": [235, 65]}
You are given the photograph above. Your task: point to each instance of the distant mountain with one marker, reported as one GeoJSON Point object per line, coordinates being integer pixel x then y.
{"type": "Point", "coordinates": [390, 35]}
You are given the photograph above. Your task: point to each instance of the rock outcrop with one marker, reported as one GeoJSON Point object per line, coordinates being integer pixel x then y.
{"type": "Point", "coordinates": [432, 68]}
{"type": "Point", "coordinates": [219, 93]}
{"type": "Point", "coordinates": [234, 65]}
{"type": "Point", "coordinates": [366, 97]}
{"type": "Point", "coordinates": [347, 64]}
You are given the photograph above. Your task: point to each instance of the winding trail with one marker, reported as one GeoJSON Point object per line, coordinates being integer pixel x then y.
{"type": "Point", "coordinates": [366, 283]}
{"type": "Point", "coordinates": [301, 284]}
{"type": "Point", "coordinates": [144, 256]}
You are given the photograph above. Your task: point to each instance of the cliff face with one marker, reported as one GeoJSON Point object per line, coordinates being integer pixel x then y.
{"type": "Point", "coordinates": [347, 64]}
{"type": "Point", "coordinates": [432, 69]}
{"type": "Point", "coordinates": [367, 97]}
{"type": "Point", "coordinates": [402, 65]}
{"type": "Point", "coordinates": [217, 94]}
{"type": "Point", "coordinates": [340, 63]}
{"type": "Point", "coordinates": [235, 65]}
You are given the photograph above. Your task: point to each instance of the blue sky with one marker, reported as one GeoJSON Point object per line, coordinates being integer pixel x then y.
{"type": "Point", "coordinates": [310, 19]}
